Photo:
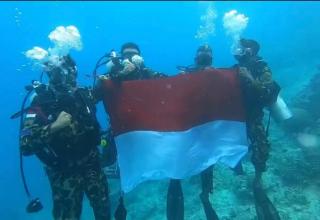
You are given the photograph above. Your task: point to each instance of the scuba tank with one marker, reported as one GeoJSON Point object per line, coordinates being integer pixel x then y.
{"type": "Point", "coordinates": [279, 110]}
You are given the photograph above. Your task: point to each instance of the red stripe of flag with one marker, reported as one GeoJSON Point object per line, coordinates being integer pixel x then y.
{"type": "Point", "coordinates": [175, 103]}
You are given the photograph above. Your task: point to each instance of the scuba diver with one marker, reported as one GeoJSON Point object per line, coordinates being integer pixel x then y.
{"type": "Point", "coordinates": [259, 91]}
{"type": "Point", "coordinates": [61, 129]}
{"type": "Point", "coordinates": [202, 60]}
{"type": "Point", "coordinates": [129, 65]}
{"type": "Point", "coordinates": [175, 201]}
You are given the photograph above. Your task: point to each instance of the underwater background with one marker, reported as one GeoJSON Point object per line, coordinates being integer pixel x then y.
{"type": "Point", "coordinates": [288, 33]}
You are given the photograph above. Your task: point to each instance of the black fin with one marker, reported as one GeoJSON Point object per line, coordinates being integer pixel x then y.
{"type": "Point", "coordinates": [264, 207]}
{"type": "Point", "coordinates": [121, 212]}
{"type": "Point", "coordinates": [207, 188]}
{"type": "Point", "coordinates": [209, 211]}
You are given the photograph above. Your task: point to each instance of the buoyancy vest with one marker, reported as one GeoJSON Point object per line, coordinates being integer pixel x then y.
{"type": "Point", "coordinates": [70, 145]}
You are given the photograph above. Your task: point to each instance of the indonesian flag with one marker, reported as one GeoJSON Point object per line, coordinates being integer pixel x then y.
{"type": "Point", "coordinates": [176, 127]}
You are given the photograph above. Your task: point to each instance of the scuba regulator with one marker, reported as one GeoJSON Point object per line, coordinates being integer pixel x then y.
{"type": "Point", "coordinates": [111, 60]}
{"type": "Point", "coordinates": [115, 63]}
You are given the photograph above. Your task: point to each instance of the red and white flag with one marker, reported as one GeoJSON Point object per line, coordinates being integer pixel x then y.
{"type": "Point", "coordinates": [176, 127]}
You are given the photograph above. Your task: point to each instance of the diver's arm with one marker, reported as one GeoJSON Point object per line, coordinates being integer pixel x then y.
{"type": "Point", "coordinates": [128, 72]}
{"type": "Point", "coordinates": [33, 136]}
{"type": "Point", "coordinates": [63, 120]}
{"type": "Point", "coordinates": [266, 88]}
{"type": "Point", "coordinates": [263, 87]}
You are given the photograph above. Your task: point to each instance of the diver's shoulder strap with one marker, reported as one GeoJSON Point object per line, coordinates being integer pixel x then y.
{"type": "Point", "coordinates": [88, 99]}
{"type": "Point", "coordinates": [43, 97]}
{"type": "Point", "coordinates": [86, 93]}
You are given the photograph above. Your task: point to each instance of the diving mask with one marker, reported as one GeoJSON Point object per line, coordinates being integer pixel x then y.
{"type": "Point", "coordinates": [128, 53]}
{"type": "Point", "coordinates": [242, 51]}
{"type": "Point", "coordinates": [62, 72]}
{"type": "Point", "coordinates": [204, 58]}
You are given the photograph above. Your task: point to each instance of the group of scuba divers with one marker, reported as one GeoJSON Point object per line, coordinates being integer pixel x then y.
{"type": "Point", "coordinates": [60, 127]}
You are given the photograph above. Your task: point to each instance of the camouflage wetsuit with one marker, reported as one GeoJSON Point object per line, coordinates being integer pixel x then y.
{"type": "Point", "coordinates": [70, 155]}
{"type": "Point", "coordinates": [259, 93]}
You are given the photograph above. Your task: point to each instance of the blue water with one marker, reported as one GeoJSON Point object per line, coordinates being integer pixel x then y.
{"type": "Point", "coordinates": [288, 33]}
